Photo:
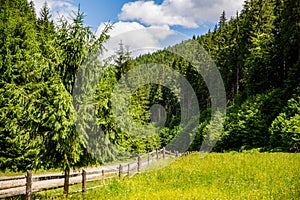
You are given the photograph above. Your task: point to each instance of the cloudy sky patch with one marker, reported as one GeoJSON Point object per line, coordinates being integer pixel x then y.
{"type": "Point", "coordinates": [186, 13]}
{"type": "Point", "coordinates": [145, 24]}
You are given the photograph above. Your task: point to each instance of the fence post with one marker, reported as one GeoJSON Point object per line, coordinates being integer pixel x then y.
{"type": "Point", "coordinates": [156, 154]}
{"type": "Point", "coordinates": [103, 176]}
{"type": "Point", "coordinates": [66, 182]}
{"type": "Point", "coordinates": [120, 171]}
{"type": "Point", "coordinates": [164, 153]}
{"type": "Point", "coordinates": [28, 185]}
{"type": "Point", "coordinates": [83, 180]}
{"type": "Point", "coordinates": [139, 162]}
{"type": "Point", "coordinates": [148, 158]}
{"type": "Point", "coordinates": [128, 170]}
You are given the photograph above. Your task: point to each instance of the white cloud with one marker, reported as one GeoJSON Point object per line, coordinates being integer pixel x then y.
{"type": "Point", "coordinates": [58, 8]}
{"type": "Point", "coordinates": [120, 27]}
{"type": "Point", "coordinates": [152, 14]}
{"type": "Point", "coordinates": [138, 38]}
{"type": "Point", "coordinates": [186, 13]}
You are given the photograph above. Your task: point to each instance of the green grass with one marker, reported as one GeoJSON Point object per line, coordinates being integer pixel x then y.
{"type": "Point", "coordinates": [216, 176]}
{"type": "Point", "coordinates": [34, 172]}
{"type": "Point", "coordinates": [58, 193]}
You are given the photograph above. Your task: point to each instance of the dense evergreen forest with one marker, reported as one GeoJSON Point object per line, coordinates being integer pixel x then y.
{"type": "Point", "coordinates": [257, 53]}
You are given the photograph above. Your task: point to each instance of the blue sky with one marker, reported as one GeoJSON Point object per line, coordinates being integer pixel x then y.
{"type": "Point", "coordinates": [168, 17]}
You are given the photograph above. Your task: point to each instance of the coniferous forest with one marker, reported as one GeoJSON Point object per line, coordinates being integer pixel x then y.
{"type": "Point", "coordinates": [257, 53]}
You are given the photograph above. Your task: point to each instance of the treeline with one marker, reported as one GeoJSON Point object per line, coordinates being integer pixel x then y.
{"type": "Point", "coordinates": [257, 53]}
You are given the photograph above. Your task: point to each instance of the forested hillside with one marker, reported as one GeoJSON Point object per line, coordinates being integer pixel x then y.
{"type": "Point", "coordinates": [257, 53]}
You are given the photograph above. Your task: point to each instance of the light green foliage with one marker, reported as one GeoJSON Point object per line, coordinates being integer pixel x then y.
{"type": "Point", "coordinates": [285, 129]}
{"type": "Point", "coordinates": [20, 82]}
{"type": "Point", "coordinates": [37, 114]}
{"type": "Point", "coordinates": [245, 127]}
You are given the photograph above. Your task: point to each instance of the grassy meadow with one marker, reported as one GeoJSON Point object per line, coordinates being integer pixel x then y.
{"type": "Point", "coordinates": [217, 176]}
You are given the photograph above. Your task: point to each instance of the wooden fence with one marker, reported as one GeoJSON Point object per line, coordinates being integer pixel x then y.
{"type": "Point", "coordinates": [28, 184]}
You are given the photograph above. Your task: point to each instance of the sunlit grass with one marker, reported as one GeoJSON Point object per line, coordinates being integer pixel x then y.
{"type": "Point", "coordinates": [216, 176]}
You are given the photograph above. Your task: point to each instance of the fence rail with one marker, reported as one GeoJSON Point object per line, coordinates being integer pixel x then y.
{"type": "Point", "coordinates": [28, 184]}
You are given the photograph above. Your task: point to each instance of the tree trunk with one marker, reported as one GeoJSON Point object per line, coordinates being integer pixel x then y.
{"type": "Point", "coordinates": [28, 185]}
{"type": "Point", "coordinates": [66, 183]}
